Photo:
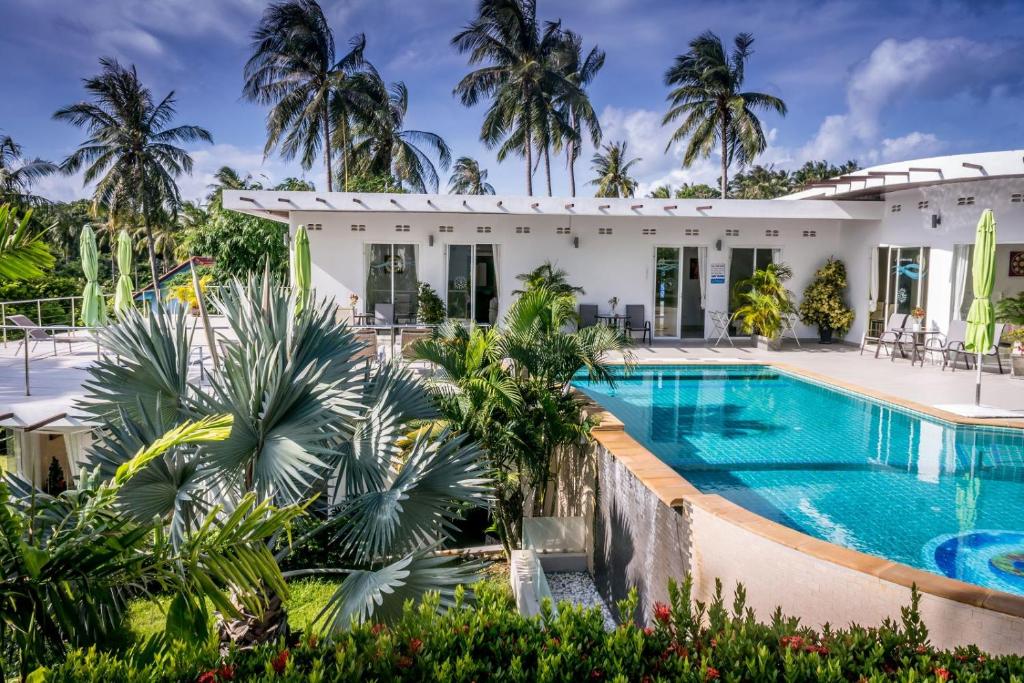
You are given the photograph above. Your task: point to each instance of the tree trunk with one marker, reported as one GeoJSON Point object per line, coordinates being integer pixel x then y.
{"type": "Point", "coordinates": [529, 162]}
{"type": "Point", "coordinates": [725, 157]}
{"type": "Point", "coordinates": [149, 240]}
{"type": "Point", "coordinates": [344, 151]}
{"type": "Point", "coordinates": [327, 148]}
{"type": "Point", "coordinates": [571, 151]}
{"type": "Point", "coordinates": [547, 167]}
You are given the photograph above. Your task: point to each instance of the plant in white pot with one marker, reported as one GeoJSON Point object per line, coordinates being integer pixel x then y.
{"type": "Point", "coordinates": [761, 301]}
{"type": "Point", "coordinates": [824, 302]}
{"type": "Point", "coordinates": [1011, 310]}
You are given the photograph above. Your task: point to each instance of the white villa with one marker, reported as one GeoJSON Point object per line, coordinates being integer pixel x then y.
{"type": "Point", "coordinates": [904, 231]}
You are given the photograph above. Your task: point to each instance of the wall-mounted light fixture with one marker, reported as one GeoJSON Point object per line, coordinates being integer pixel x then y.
{"type": "Point", "coordinates": [718, 245]}
{"type": "Point", "coordinates": [576, 242]}
{"type": "Point", "coordinates": [936, 221]}
{"type": "Point", "coordinates": [430, 240]}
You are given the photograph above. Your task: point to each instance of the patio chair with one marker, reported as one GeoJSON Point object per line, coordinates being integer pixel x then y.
{"type": "Point", "coordinates": [410, 336]}
{"type": "Point", "coordinates": [720, 326]}
{"type": "Point", "coordinates": [35, 334]}
{"type": "Point", "coordinates": [636, 321]}
{"type": "Point", "coordinates": [789, 322]}
{"type": "Point", "coordinates": [891, 335]}
{"type": "Point", "coordinates": [588, 315]}
{"type": "Point", "coordinates": [952, 346]}
{"type": "Point", "coordinates": [368, 350]}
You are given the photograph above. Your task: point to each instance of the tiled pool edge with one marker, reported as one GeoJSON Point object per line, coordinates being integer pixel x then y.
{"type": "Point", "coordinates": [672, 490]}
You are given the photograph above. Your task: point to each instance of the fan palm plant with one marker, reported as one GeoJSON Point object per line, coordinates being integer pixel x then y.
{"type": "Point", "coordinates": [384, 146]}
{"type": "Point", "coordinates": [295, 69]}
{"type": "Point", "coordinates": [71, 562]}
{"type": "Point", "coordinates": [762, 299]}
{"type": "Point", "coordinates": [612, 167]}
{"type": "Point", "coordinates": [23, 253]}
{"type": "Point", "coordinates": [469, 178]}
{"type": "Point", "coordinates": [508, 390]}
{"type": "Point", "coordinates": [308, 421]}
{"type": "Point", "coordinates": [131, 151]}
{"type": "Point", "coordinates": [17, 174]}
{"type": "Point", "coordinates": [579, 112]}
{"type": "Point", "coordinates": [706, 92]}
{"type": "Point", "coordinates": [519, 74]}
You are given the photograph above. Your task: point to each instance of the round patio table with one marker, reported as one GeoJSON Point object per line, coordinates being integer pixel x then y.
{"type": "Point", "coordinates": [611, 319]}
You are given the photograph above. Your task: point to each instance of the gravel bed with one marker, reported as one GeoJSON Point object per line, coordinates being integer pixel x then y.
{"type": "Point", "coordinates": [578, 588]}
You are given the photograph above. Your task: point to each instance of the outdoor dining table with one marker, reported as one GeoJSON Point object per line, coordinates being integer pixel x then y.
{"type": "Point", "coordinates": [918, 347]}
{"type": "Point", "coordinates": [611, 319]}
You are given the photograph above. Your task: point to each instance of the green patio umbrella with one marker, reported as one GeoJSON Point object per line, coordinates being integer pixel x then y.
{"type": "Point", "coordinates": [123, 291]}
{"type": "Point", "coordinates": [980, 319]}
{"type": "Point", "coordinates": [94, 310]}
{"type": "Point", "coordinates": [301, 276]}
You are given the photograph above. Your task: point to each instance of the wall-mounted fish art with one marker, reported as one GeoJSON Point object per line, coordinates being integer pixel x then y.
{"type": "Point", "coordinates": [909, 270]}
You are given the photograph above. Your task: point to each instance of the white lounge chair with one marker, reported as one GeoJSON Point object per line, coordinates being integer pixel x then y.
{"type": "Point", "coordinates": [34, 334]}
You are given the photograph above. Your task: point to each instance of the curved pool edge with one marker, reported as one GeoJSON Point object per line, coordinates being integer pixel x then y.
{"type": "Point", "coordinates": [674, 491]}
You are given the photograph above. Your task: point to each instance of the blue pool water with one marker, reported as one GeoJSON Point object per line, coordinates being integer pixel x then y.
{"type": "Point", "coordinates": [837, 466]}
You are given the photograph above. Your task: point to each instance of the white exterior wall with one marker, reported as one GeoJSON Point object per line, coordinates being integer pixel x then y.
{"type": "Point", "coordinates": [912, 227]}
{"type": "Point", "coordinates": [619, 264]}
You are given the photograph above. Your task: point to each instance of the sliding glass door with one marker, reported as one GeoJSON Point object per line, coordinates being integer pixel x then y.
{"type": "Point", "coordinates": [903, 278]}
{"type": "Point", "coordinates": [472, 283]}
{"type": "Point", "coordinates": [392, 281]}
{"type": "Point", "coordinates": [678, 294]}
{"type": "Point", "coordinates": [742, 264]}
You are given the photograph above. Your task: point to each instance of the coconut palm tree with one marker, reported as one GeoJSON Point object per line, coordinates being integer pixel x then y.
{"type": "Point", "coordinates": [760, 182]}
{"type": "Point", "coordinates": [519, 74]}
{"type": "Point", "coordinates": [131, 151]}
{"type": "Point", "coordinates": [612, 168]}
{"type": "Point", "coordinates": [661, 192]}
{"type": "Point", "coordinates": [706, 92]}
{"type": "Point", "coordinates": [550, 277]}
{"type": "Point", "coordinates": [579, 112]}
{"type": "Point", "coordinates": [817, 171]}
{"type": "Point", "coordinates": [384, 146]}
{"type": "Point", "coordinates": [294, 68]}
{"type": "Point", "coordinates": [469, 178]}
{"type": "Point", "coordinates": [18, 173]}
{"type": "Point", "coordinates": [308, 420]}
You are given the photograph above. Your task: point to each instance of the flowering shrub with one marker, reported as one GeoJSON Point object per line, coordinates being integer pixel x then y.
{"type": "Point", "coordinates": [687, 641]}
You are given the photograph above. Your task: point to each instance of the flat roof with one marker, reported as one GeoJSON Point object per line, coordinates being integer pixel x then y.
{"type": "Point", "coordinates": [280, 205]}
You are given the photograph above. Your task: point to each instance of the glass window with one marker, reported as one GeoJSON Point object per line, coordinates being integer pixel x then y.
{"type": "Point", "coordinates": [742, 264]}
{"type": "Point", "coordinates": [666, 292]}
{"type": "Point", "coordinates": [472, 282]}
{"type": "Point", "coordinates": [460, 263]}
{"type": "Point", "coordinates": [906, 279]}
{"type": "Point", "coordinates": [391, 278]}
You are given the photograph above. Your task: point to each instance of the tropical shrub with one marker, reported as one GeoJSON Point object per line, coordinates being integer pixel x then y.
{"type": "Point", "coordinates": [824, 304]}
{"type": "Point", "coordinates": [1010, 309]}
{"type": "Point", "coordinates": [762, 299]}
{"type": "Point", "coordinates": [309, 424]}
{"type": "Point", "coordinates": [508, 387]}
{"type": "Point", "coordinates": [430, 309]}
{"type": "Point", "coordinates": [687, 641]}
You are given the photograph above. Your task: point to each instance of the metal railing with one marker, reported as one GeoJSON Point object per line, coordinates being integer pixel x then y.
{"type": "Point", "coordinates": [55, 312]}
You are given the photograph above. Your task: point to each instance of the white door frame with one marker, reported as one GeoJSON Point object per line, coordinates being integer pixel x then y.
{"type": "Point", "coordinates": [654, 292]}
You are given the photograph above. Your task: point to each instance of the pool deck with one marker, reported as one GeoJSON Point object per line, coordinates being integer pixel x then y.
{"type": "Point", "coordinates": [927, 388]}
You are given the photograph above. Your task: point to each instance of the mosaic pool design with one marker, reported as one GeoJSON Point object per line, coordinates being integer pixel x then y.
{"type": "Point", "coordinates": [835, 465]}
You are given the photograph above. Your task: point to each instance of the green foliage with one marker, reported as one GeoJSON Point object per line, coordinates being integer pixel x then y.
{"type": "Point", "coordinates": [760, 182]}
{"type": "Point", "coordinates": [762, 299]}
{"type": "Point", "coordinates": [23, 253]}
{"type": "Point", "coordinates": [53, 312]}
{"type": "Point", "coordinates": [430, 308]}
{"type": "Point", "coordinates": [686, 641]}
{"type": "Point", "coordinates": [550, 277]}
{"type": "Point", "coordinates": [686, 191]}
{"type": "Point", "coordinates": [508, 389]}
{"type": "Point", "coordinates": [1010, 309]}
{"type": "Point", "coordinates": [612, 167]}
{"type": "Point", "coordinates": [468, 178]}
{"type": "Point", "coordinates": [381, 182]}
{"type": "Point", "coordinates": [824, 301]}
{"type": "Point", "coordinates": [240, 244]}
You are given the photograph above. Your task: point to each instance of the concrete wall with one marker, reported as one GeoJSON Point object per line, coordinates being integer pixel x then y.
{"type": "Point", "coordinates": [619, 264]}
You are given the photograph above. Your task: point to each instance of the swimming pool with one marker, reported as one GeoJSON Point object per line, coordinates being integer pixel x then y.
{"type": "Point", "coordinates": [857, 472]}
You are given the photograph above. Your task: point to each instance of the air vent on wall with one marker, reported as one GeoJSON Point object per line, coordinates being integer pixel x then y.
{"type": "Point", "coordinates": [732, 232]}
{"type": "Point", "coordinates": [896, 208]}
{"type": "Point", "coordinates": [401, 228]}
{"type": "Point", "coordinates": [604, 231]}
{"type": "Point", "coordinates": [650, 231]}
{"type": "Point", "coordinates": [563, 231]}
{"type": "Point", "coordinates": [358, 228]}
{"type": "Point", "coordinates": [1017, 197]}
{"type": "Point", "coordinates": [691, 232]}
{"type": "Point", "coordinates": [522, 229]}
{"type": "Point", "coordinates": [771, 232]}
{"type": "Point", "coordinates": [483, 228]}
{"type": "Point", "coordinates": [923, 205]}
{"type": "Point", "coordinates": [965, 201]}
{"type": "Point", "coordinates": [810, 233]}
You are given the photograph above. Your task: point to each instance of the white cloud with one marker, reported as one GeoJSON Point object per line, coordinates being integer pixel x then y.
{"type": "Point", "coordinates": [895, 71]}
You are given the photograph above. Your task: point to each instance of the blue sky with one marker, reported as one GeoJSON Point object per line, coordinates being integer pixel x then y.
{"type": "Point", "coordinates": [874, 81]}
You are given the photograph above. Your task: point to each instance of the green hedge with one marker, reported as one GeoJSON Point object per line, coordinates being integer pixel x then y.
{"type": "Point", "coordinates": [688, 642]}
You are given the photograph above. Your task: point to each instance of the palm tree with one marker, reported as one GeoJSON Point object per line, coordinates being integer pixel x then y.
{"type": "Point", "coordinates": [661, 192]}
{"type": "Point", "coordinates": [227, 178]}
{"type": "Point", "coordinates": [706, 92]}
{"type": "Point", "coordinates": [384, 146]}
{"type": "Point", "coordinates": [817, 171]}
{"type": "Point", "coordinates": [295, 70]}
{"type": "Point", "coordinates": [520, 75]}
{"type": "Point", "coordinates": [612, 168]}
{"type": "Point", "coordinates": [696, 191]}
{"type": "Point", "coordinates": [547, 276]}
{"type": "Point", "coordinates": [23, 252]}
{"type": "Point", "coordinates": [131, 153]}
{"type": "Point", "coordinates": [579, 71]}
{"type": "Point", "coordinates": [469, 178]}
{"type": "Point", "coordinates": [760, 182]}
{"type": "Point", "coordinates": [18, 173]}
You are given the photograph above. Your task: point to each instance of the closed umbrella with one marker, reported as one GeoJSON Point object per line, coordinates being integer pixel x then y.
{"type": "Point", "coordinates": [123, 291]}
{"type": "Point", "coordinates": [94, 311]}
{"type": "Point", "coordinates": [301, 275]}
{"type": "Point", "coordinates": [980, 319]}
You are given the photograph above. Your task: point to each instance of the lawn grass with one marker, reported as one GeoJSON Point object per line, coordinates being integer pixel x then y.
{"type": "Point", "coordinates": [305, 600]}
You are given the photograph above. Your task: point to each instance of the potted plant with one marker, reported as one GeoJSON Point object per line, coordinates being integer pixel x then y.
{"type": "Point", "coordinates": [430, 308]}
{"type": "Point", "coordinates": [761, 301]}
{"type": "Point", "coordinates": [613, 303]}
{"type": "Point", "coordinates": [824, 303]}
{"type": "Point", "coordinates": [918, 315]}
{"type": "Point", "coordinates": [1011, 310]}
